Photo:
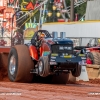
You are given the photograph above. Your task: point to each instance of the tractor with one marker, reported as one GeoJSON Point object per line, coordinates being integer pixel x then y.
{"type": "Point", "coordinates": [45, 55]}
{"type": "Point", "coordinates": [91, 50]}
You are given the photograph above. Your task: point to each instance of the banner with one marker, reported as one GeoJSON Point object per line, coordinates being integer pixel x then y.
{"type": "Point", "coordinates": [30, 25]}
{"type": "Point", "coordinates": [29, 32]}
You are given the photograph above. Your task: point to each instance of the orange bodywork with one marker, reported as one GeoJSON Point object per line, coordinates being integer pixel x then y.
{"type": "Point", "coordinates": [4, 49]}
{"type": "Point", "coordinates": [94, 49]}
{"type": "Point", "coordinates": [44, 48]}
{"type": "Point", "coordinates": [33, 52]}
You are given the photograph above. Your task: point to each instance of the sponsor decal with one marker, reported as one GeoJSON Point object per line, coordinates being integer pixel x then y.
{"type": "Point", "coordinates": [69, 56]}
{"type": "Point", "coordinates": [53, 63]}
{"type": "Point", "coordinates": [81, 55]}
{"type": "Point", "coordinates": [46, 53]}
{"type": "Point", "coordinates": [54, 54]}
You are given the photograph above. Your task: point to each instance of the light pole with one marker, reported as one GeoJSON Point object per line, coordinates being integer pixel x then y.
{"type": "Point", "coordinates": [72, 11]}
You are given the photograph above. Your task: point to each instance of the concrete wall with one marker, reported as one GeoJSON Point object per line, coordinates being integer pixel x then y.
{"type": "Point", "coordinates": [79, 32]}
{"type": "Point", "coordinates": [75, 29]}
{"type": "Point", "coordinates": [93, 10]}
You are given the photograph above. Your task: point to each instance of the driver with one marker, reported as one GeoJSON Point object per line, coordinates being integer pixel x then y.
{"type": "Point", "coordinates": [41, 35]}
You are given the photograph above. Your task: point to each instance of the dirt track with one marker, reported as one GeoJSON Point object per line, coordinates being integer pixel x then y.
{"type": "Point", "coordinates": [39, 91]}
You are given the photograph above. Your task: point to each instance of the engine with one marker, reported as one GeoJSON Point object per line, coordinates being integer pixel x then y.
{"type": "Point", "coordinates": [62, 46]}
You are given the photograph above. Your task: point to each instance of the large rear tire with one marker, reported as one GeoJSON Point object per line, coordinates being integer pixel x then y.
{"type": "Point", "coordinates": [77, 71]}
{"type": "Point", "coordinates": [20, 64]}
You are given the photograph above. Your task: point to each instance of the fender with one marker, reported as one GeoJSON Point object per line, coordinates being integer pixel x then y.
{"type": "Point", "coordinates": [33, 52]}
{"type": "Point", "coordinates": [44, 49]}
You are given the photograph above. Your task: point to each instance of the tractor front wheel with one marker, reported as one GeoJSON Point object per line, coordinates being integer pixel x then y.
{"type": "Point", "coordinates": [77, 71]}
{"type": "Point", "coordinates": [43, 66]}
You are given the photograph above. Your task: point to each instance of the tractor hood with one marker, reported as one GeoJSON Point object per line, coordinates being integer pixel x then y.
{"type": "Point", "coordinates": [61, 46]}
{"type": "Point", "coordinates": [62, 41]}
{"type": "Point", "coordinates": [59, 41]}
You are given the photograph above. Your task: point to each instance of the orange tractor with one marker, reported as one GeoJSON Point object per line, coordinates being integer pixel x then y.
{"type": "Point", "coordinates": [43, 56]}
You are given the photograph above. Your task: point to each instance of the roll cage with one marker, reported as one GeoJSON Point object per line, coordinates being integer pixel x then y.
{"type": "Point", "coordinates": [47, 34]}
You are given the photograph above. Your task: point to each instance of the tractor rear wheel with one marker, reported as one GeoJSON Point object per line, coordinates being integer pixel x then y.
{"type": "Point", "coordinates": [77, 71]}
{"type": "Point", "coordinates": [20, 64]}
{"type": "Point", "coordinates": [94, 57]}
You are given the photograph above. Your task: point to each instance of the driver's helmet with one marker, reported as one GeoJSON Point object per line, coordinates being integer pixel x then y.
{"type": "Point", "coordinates": [41, 34]}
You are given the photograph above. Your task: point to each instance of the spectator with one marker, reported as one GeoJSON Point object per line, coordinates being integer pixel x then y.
{"type": "Point", "coordinates": [1, 30]}
{"type": "Point", "coordinates": [88, 44]}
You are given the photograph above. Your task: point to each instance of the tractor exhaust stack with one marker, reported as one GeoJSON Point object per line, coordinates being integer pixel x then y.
{"type": "Point", "coordinates": [55, 35]}
{"type": "Point", "coordinates": [63, 35]}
